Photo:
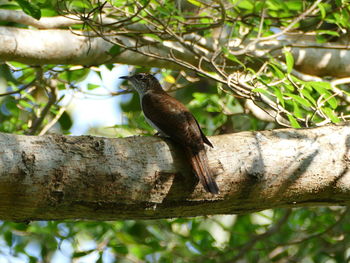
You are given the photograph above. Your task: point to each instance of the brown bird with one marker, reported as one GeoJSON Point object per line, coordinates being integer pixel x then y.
{"type": "Point", "coordinates": [173, 120]}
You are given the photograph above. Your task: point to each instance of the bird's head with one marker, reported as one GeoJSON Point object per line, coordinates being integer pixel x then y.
{"type": "Point", "coordinates": [143, 82]}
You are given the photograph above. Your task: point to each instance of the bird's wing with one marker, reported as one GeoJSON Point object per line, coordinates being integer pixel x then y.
{"type": "Point", "coordinates": [166, 113]}
{"type": "Point", "coordinates": [175, 121]}
{"type": "Point", "coordinates": [205, 139]}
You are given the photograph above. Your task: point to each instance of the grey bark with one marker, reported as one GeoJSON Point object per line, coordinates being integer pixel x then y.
{"type": "Point", "coordinates": [85, 177]}
{"type": "Point", "coordinates": [53, 46]}
{"type": "Point", "coordinates": [57, 46]}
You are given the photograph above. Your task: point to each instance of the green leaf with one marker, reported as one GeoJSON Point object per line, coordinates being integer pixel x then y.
{"type": "Point", "coordinates": [328, 32]}
{"type": "Point", "coordinates": [76, 75]}
{"type": "Point", "coordinates": [293, 121]}
{"type": "Point", "coordinates": [200, 97]}
{"type": "Point", "coordinates": [82, 253]}
{"type": "Point", "coordinates": [319, 84]}
{"type": "Point", "coordinates": [327, 96]}
{"type": "Point", "coordinates": [33, 259]}
{"type": "Point", "coordinates": [80, 4]}
{"type": "Point", "coordinates": [276, 71]}
{"type": "Point", "coordinates": [330, 114]}
{"type": "Point", "coordinates": [245, 4]}
{"type": "Point", "coordinates": [91, 86]}
{"type": "Point", "coordinates": [100, 257]}
{"type": "Point", "coordinates": [194, 2]}
{"type": "Point", "coordinates": [25, 104]}
{"type": "Point", "coordinates": [30, 8]}
{"type": "Point", "coordinates": [299, 99]}
{"type": "Point", "coordinates": [235, 59]}
{"type": "Point", "coordinates": [289, 86]}
{"type": "Point", "coordinates": [332, 102]}
{"type": "Point", "coordinates": [109, 66]}
{"type": "Point", "coordinates": [307, 94]}
{"type": "Point", "coordinates": [289, 61]}
{"type": "Point", "coordinates": [279, 95]}
{"type": "Point", "coordinates": [65, 121]}
{"type": "Point", "coordinates": [115, 50]}
{"type": "Point", "coordinates": [121, 249]}
{"type": "Point", "coordinates": [8, 236]}
{"type": "Point", "coordinates": [232, 57]}
{"type": "Point", "coordinates": [322, 9]}
{"type": "Point", "coordinates": [296, 110]}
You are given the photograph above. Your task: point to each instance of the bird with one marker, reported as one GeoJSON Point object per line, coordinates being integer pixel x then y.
{"type": "Point", "coordinates": [174, 121]}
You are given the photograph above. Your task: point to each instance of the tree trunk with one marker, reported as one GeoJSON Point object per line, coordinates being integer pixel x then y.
{"type": "Point", "coordinates": [85, 177]}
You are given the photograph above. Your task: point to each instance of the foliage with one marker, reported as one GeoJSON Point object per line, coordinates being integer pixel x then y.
{"type": "Point", "coordinates": [301, 235]}
{"type": "Point", "coordinates": [215, 88]}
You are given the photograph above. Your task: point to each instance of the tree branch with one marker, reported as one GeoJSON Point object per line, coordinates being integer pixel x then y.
{"type": "Point", "coordinates": [62, 177]}
{"type": "Point", "coordinates": [44, 22]}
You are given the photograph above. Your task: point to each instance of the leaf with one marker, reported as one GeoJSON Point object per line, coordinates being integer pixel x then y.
{"type": "Point", "coordinates": [30, 8]}
{"type": "Point", "coordinates": [307, 94]}
{"type": "Point", "coordinates": [299, 99]}
{"type": "Point", "coordinates": [115, 50]}
{"type": "Point", "coordinates": [319, 84]}
{"type": "Point", "coordinates": [91, 86]}
{"type": "Point", "coordinates": [169, 79]}
{"type": "Point", "coordinates": [80, 4]}
{"type": "Point", "coordinates": [82, 253]}
{"type": "Point", "coordinates": [328, 32]}
{"type": "Point", "coordinates": [322, 9]}
{"type": "Point", "coordinates": [289, 61]}
{"type": "Point", "coordinates": [332, 101]}
{"type": "Point", "coordinates": [8, 236]}
{"type": "Point", "coordinates": [296, 110]}
{"type": "Point", "coordinates": [75, 75]}
{"type": "Point", "coordinates": [279, 95]}
{"type": "Point", "coordinates": [200, 97]}
{"type": "Point", "coordinates": [260, 90]}
{"type": "Point", "coordinates": [109, 66]}
{"type": "Point", "coordinates": [25, 104]}
{"type": "Point", "coordinates": [232, 57]}
{"type": "Point", "coordinates": [194, 2]}
{"type": "Point", "coordinates": [289, 86]}
{"type": "Point", "coordinates": [330, 114]}
{"type": "Point", "coordinates": [65, 121]}
{"type": "Point", "coordinates": [245, 4]}
{"type": "Point", "coordinates": [121, 249]}
{"type": "Point", "coordinates": [276, 71]}
{"type": "Point", "coordinates": [293, 121]}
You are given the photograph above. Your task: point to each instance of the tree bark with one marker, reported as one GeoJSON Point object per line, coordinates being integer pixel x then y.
{"type": "Point", "coordinates": [84, 177]}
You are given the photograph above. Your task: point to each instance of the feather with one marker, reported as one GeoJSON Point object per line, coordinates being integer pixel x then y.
{"type": "Point", "coordinates": [199, 163]}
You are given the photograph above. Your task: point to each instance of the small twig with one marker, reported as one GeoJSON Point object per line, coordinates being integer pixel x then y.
{"type": "Point", "coordinates": [38, 121]}
{"type": "Point", "coordinates": [53, 121]}
{"type": "Point", "coordinates": [19, 90]}
{"type": "Point", "coordinates": [251, 243]}
{"type": "Point", "coordinates": [295, 21]}
{"type": "Point", "coordinates": [328, 229]}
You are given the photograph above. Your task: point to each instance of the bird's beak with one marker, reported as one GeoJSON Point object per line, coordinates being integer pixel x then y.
{"type": "Point", "coordinates": [124, 77]}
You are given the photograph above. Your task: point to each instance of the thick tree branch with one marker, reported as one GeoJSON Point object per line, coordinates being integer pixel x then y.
{"type": "Point", "coordinates": [61, 177]}
{"type": "Point", "coordinates": [40, 47]}
{"type": "Point", "coordinates": [50, 46]}
{"type": "Point", "coordinates": [44, 22]}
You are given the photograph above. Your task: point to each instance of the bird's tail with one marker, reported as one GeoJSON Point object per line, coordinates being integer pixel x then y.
{"type": "Point", "coordinates": [200, 166]}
